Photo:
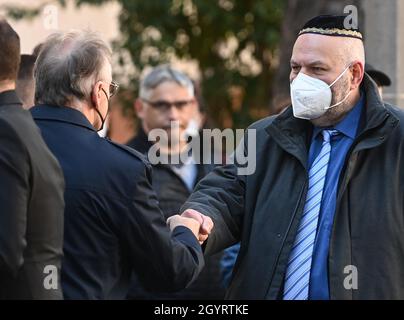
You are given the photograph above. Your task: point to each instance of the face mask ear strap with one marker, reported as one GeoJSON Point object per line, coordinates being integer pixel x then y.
{"type": "Point", "coordinates": [346, 97]}
{"type": "Point", "coordinates": [102, 119]}
{"type": "Point", "coordinates": [99, 112]}
{"type": "Point", "coordinates": [339, 77]}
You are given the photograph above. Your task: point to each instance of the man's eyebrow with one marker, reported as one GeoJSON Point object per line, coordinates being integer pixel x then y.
{"type": "Point", "coordinates": [317, 63]}
{"type": "Point", "coordinates": [311, 63]}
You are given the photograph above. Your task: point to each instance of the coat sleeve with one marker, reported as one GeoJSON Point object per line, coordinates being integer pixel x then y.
{"type": "Point", "coordinates": [14, 196]}
{"type": "Point", "coordinates": [221, 196]}
{"type": "Point", "coordinates": [163, 260]}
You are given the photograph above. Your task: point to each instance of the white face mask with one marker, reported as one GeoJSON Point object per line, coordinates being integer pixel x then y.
{"type": "Point", "coordinates": [311, 97]}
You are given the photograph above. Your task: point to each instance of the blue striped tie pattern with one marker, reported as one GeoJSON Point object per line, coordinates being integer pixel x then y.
{"type": "Point", "coordinates": [299, 265]}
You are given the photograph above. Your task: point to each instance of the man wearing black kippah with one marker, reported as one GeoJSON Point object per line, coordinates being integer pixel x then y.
{"type": "Point", "coordinates": [322, 216]}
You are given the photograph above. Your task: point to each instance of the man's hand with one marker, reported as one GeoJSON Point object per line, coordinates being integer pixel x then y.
{"type": "Point", "coordinates": [177, 220]}
{"type": "Point", "coordinates": [205, 222]}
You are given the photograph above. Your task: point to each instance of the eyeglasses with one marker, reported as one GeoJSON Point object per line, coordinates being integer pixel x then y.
{"type": "Point", "coordinates": [113, 88]}
{"type": "Point", "coordinates": [163, 105]}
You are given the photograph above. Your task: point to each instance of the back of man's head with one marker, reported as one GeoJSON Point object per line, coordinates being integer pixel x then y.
{"type": "Point", "coordinates": [25, 85]}
{"type": "Point", "coordinates": [68, 65]}
{"type": "Point", "coordinates": [9, 52]}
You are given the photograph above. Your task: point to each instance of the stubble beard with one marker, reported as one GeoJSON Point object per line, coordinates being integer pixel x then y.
{"type": "Point", "coordinates": [335, 114]}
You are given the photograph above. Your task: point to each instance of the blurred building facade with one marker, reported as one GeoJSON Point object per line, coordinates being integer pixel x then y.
{"type": "Point", "coordinates": [54, 17]}
{"type": "Point", "coordinates": [384, 42]}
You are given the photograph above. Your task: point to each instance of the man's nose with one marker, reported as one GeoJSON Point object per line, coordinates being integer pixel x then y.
{"type": "Point", "coordinates": [173, 113]}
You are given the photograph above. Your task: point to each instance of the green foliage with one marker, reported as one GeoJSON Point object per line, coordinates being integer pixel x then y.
{"type": "Point", "coordinates": [198, 29]}
{"type": "Point", "coordinates": [232, 40]}
{"type": "Point", "coordinates": [18, 13]}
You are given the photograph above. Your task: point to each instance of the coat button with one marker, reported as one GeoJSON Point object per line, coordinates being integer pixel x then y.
{"type": "Point", "coordinates": [278, 235]}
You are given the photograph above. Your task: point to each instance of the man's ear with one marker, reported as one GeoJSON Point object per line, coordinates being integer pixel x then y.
{"type": "Point", "coordinates": [96, 94]}
{"type": "Point", "coordinates": [139, 108]}
{"type": "Point", "coordinates": [358, 71]}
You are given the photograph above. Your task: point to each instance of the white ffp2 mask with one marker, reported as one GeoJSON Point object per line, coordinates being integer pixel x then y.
{"type": "Point", "coordinates": [311, 97]}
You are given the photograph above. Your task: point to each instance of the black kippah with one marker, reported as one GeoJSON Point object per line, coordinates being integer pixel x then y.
{"type": "Point", "coordinates": [330, 25]}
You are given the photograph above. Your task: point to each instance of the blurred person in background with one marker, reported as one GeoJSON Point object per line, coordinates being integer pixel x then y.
{"type": "Point", "coordinates": [168, 95]}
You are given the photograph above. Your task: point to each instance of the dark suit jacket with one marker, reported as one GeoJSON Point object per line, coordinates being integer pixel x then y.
{"type": "Point", "coordinates": [31, 208]}
{"type": "Point", "coordinates": [113, 224]}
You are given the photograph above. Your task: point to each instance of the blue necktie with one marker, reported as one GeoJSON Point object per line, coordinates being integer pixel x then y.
{"type": "Point", "coordinates": [299, 265]}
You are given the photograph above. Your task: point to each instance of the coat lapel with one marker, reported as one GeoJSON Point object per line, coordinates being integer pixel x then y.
{"type": "Point", "coordinates": [292, 135]}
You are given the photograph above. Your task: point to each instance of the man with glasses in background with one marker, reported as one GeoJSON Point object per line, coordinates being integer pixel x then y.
{"type": "Point", "coordinates": [167, 103]}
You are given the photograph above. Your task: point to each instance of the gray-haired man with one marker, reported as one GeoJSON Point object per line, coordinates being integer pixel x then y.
{"type": "Point", "coordinates": [113, 222]}
{"type": "Point", "coordinates": [167, 104]}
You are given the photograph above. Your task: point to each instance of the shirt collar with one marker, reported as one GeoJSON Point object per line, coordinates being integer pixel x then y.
{"type": "Point", "coordinates": [349, 125]}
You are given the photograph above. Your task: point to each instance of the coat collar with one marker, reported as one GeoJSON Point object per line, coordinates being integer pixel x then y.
{"type": "Point", "coordinates": [376, 111]}
{"type": "Point", "coordinates": [61, 114]}
{"type": "Point", "coordinates": [9, 97]}
{"type": "Point", "coordinates": [293, 135]}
